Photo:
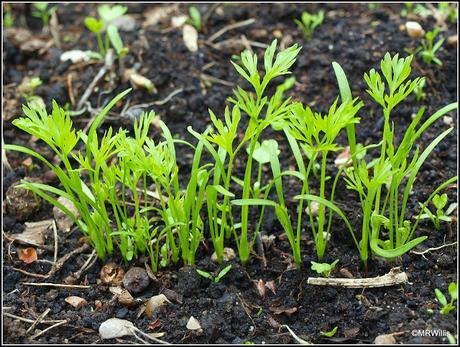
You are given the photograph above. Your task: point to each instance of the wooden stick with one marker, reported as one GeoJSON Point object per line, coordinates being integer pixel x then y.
{"type": "Point", "coordinates": [58, 285]}
{"type": "Point", "coordinates": [109, 58]}
{"type": "Point", "coordinates": [48, 329]}
{"type": "Point", "coordinates": [38, 320]}
{"type": "Point", "coordinates": [428, 250]}
{"type": "Point", "coordinates": [230, 27]}
{"type": "Point", "coordinates": [390, 279]}
{"type": "Point", "coordinates": [26, 320]}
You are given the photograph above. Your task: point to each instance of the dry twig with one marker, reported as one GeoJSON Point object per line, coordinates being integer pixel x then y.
{"type": "Point", "coordinates": [57, 285]}
{"type": "Point", "coordinates": [230, 27]}
{"type": "Point", "coordinates": [390, 279]}
{"type": "Point", "coordinates": [38, 320]}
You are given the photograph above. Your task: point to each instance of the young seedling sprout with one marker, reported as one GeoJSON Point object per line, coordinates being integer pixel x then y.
{"type": "Point", "coordinates": [324, 269]}
{"type": "Point", "coordinates": [195, 17]}
{"type": "Point", "coordinates": [107, 15]}
{"type": "Point", "coordinates": [397, 167]}
{"type": "Point", "coordinates": [418, 90]}
{"type": "Point", "coordinates": [447, 307]}
{"type": "Point", "coordinates": [439, 201]}
{"type": "Point", "coordinates": [429, 49]}
{"type": "Point", "coordinates": [42, 11]}
{"type": "Point", "coordinates": [213, 277]}
{"type": "Point", "coordinates": [309, 22]}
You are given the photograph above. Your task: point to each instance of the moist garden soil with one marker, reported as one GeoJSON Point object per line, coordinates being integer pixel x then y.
{"type": "Point", "coordinates": [233, 310]}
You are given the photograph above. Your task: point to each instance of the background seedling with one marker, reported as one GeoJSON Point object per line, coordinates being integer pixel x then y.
{"type": "Point", "coordinates": [8, 19]}
{"type": "Point", "coordinates": [447, 307]}
{"type": "Point", "coordinates": [429, 49]}
{"type": "Point", "coordinates": [393, 166]}
{"type": "Point", "coordinates": [107, 15]}
{"type": "Point", "coordinates": [418, 90]}
{"type": "Point", "coordinates": [195, 17]}
{"type": "Point", "coordinates": [439, 201]}
{"type": "Point", "coordinates": [329, 333]}
{"type": "Point", "coordinates": [324, 269]}
{"type": "Point", "coordinates": [42, 11]}
{"type": "Point", "coordinates": [309, 22]}
{"type": "Point", "coordinates": [215, 278]}
{"type": "Point", "coordinates": [27, 89]}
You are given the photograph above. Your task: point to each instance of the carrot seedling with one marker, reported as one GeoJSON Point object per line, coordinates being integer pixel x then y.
{"type": "Point", "coordinates": [215, 278]}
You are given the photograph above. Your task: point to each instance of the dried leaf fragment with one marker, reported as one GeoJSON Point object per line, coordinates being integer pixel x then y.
{"type": "Point", "coordinates": [35, 233]}
{"type": "Point", "coordinates": [228, 254]}
{"type": "Point", "coordinates": [193, 324]}
{"type": "Point", "coordinates": [63, 221]}
{"type": "Point", "coordinates": [414, 30]}
{"type": "Point", "coordinates": [190, 37]}
{"type": "Point", "coordinates": [28, 255]}
{"type": "Point", "coordinates": [138, 81]}
{"type": "Point", "coordinates": [155, 324]}
{"type": "Point", "coordinates": [260, 287]}
{"type": "Point", "coordinates": [271, 285]}
{"type": "Point", "coordinates": [283, 310]}
{"type": "Point", "coordinates": [123, 296]}
{"type": "Point", "coordinates": [112, 274]}
{"type": "Point", "coordinates": [385, 339]}
{"type": "Point", "coordinates": [154, 303]}
{"type": "Point", "coordinates": [76, 301]}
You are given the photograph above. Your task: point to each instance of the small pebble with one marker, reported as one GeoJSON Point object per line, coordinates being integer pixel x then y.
{"type": "Point", "coordinates": [136, 280]}
{"type": "Point", "coordinates": [452, 40]}
{"type": "Point", "coordinates": [414, 30]}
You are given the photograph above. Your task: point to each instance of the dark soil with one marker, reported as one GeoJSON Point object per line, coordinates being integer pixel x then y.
{"type": "Point", "coordinates": [233, 311]}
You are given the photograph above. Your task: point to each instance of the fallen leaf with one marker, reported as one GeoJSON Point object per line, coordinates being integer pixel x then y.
{"type": "Point", "coordinates": [228, 254]}
{"type": "Point", "coordinates": [155, 324]}
{"type": "Point", "coordinates": [314, 207]}
{"type": "Point", "coordinates": [28, 164]}
{"type": "Point", "coordinates": [76, 56]}
{"type": "Point", "coordinates": [351, 333]}
{"type": "Point", "coordinates": [448, 120]}
{"type": "Point", "coordinates": [273, 323]}
{"type": "Point", "coordinates": [98, 305]}
{"type": "Point", "coordinates": [271, 285]}
{"type": "Point", "coordinates": [158, 14]}
{"type": "Point", "coordinates": [28, 255]}
{"type": "Point", "coordinates": [342, 158]}
{"type": "Point", "coordinates": [123, 296]}
{"type": "Point", "coordinates": [193, 324]}
{"type": "Point", "coordinates": [260, 287]}
{"type": "Point", "coordinates": [33, 45]}
{"type": "Point", "coordinates": [268, 240]}
{"type": "Point", "coordinates": [63, 221]}
{"type": "Point", "coordinates": [178, 21]}
{"type": "Point", "coordinates": [112, 274]}
{"type": "Point", "coordinates": [154, 303]}
{"type": "Point", "coordinates": [125, 23]}
{"type": "Point", "coordinates": [173, 296]}
{"type": "Point", "coordinates": [35, 233]}
{"type": "Point", "coordinates": [76, 301]}
{"type": "Point", "coordinates": [283, 310]}
{"type": "Point", "coordinates": [115, 327]}
{"type": "Point", "coordinates": [190, 37]}
{"type": "Point", "coordinates": [138, 81]}
{"type": "Point", "coordinates": [18, 35]}
{"type": "Point", "coordinates": [385, 339]}
{"type": "Point", "coordinates": [346, 273]}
